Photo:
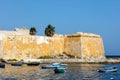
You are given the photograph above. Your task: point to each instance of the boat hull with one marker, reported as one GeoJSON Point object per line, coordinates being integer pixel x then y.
{"type": "Point", "coordinates": [49, 67]}
{"type": "Point", "coordinates": [16, 64]}
{"type": "Point", "coordinates": [33, 64]}
{"type": "Point", "coordinates": [54, 66]}
{"type": "Point", "coordinates": [111, 70]}
{"type": "Point", "coordinates": [58, 70]}
{"type": "Point", "coordinates": [2, 65]}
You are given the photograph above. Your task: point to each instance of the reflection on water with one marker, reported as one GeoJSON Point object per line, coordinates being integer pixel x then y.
{"type": "Point", "coordinates": [83, 71]}
{"type": "Point", "coordinates": [90, 70]}
{"type": "Point", "coordinates": [74, 72]}
{"type": "Point", "coordinates": [18, 72]}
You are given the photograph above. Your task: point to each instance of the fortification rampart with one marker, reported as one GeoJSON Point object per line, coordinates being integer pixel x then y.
{"type": "Point", "coordinates": [85, 45]}
{"type": "Point", "coordinates": [23, 47]}
{"type": "Point", "coordinates": [81, 45]}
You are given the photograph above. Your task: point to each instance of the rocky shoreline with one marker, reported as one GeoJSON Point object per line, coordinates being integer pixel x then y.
{"type": "Point", "coordinates": [71, 61]}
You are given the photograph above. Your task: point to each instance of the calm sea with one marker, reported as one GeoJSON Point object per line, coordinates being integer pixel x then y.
{"type": "Point", "coordinates": [74, 72]}
{"type": "Point", "coordinates": [113, 56]}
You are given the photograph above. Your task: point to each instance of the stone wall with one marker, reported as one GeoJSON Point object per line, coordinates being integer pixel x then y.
{"type": "Point", "coordinates": [72, 46]}
{"type": "Point", "coordinates": [92, 48]}
{"type": "Point", "coordinates": [27, 47]}
{"type": "Point", "coordinates": [23, 31]}
{"type": "Point", "coordinates": [85, 46]}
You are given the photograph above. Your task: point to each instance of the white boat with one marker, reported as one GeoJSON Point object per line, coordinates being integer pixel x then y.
{"type": "Point", "coordinates": [59, 64]}
{"type": "Point", "coordinates": [49, 67]}
{"type": "Point", "coordinates": [54, 66]}
{"type": "Point", "coordinates": [114, 69]}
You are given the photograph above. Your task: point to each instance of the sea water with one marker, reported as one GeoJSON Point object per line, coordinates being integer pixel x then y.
{"type": "Point", "coordinates": [75, 71]}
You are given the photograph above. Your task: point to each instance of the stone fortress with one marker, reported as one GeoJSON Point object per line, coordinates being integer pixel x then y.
{"type": "Point", "coordinates": [18, 44]}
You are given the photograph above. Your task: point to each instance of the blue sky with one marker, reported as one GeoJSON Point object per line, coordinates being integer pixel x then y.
{"type": "Point", "coordinates": [67, 16]}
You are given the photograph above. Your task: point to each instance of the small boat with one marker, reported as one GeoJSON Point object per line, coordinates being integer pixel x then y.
{"type": "Point", "coordinates": [33, 63]}
{"type": "Point", "coordinates": [16, 64]}
{"type": "Point", "coordinates": [114, 69]}
{"type": "Point", "coordinates": [2, 65]}
{"type": "Point", "coordinates": [59, 70]}
{"type": "Point", "coordinates": [54, 66]}
{"type": "Point", "coordinates": [49, 67]}
{"type": "Point", "coordinates": [59, 64]}
{"type": "Point", "coordinates": [107, 70]}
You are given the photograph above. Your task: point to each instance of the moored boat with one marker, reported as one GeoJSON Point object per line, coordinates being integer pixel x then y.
{"type": "Point", "coordinates": [108, 70]}
{"type": "Point", "coordinates": [2, 65]}
{"type": "Point", "coordinates": [16, 64]}
{"type": "Point", "coordinates": [114, 69]}
{"type": "Point", "coordinates": [33, 63]}
{"type": "Point", "coordinates": [54, 66]}
{"type": "Point", "coordinates": [59, 70]}
{"type": "Point", "coordinates": [49, 67]}
{"type": "Point", "coordinates": [59, 64]}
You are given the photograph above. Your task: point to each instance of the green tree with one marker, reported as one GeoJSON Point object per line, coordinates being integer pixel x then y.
{"type": "Point", "coordinates": [33, 31]}
{"type": "Point", "coordinates": [49, 30]}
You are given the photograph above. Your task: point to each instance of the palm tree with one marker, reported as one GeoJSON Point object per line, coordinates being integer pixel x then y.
{"type": "Point", "coordinates": [33, 31]}
{"type": "Point", "coordinates": [49, 30]}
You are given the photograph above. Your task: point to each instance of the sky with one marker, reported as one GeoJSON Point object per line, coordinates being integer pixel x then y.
{"type": "Point", "coordinates": [100, 17]}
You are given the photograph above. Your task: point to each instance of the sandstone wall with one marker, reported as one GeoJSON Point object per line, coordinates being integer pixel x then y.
{"type": "Point", "coordinates": [23, 47]}
{"type": "Point", "coordinates": [92, 47]}
{"type": "Point", "coordinates": [87, 46]}
{"type": "Point", "coordinates": [72, 46]}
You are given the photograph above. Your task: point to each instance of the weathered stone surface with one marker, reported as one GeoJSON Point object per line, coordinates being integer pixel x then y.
{"type": "Point", "coordinates": [85, 46]}
{"type": "Point", "coordinates": [23, 47]}
{"type": "Point", "coordinates": [72, 46]}
{"type": "Point", "coordinates": [92, 47]}
{"type": "Point", "coordinates": [17, 31]}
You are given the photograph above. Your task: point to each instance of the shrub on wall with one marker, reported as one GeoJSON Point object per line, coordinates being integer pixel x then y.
{"type": "Point", "coordinates": [33, 31]}
{"type": "Point", "coordinates": [49, 30]}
